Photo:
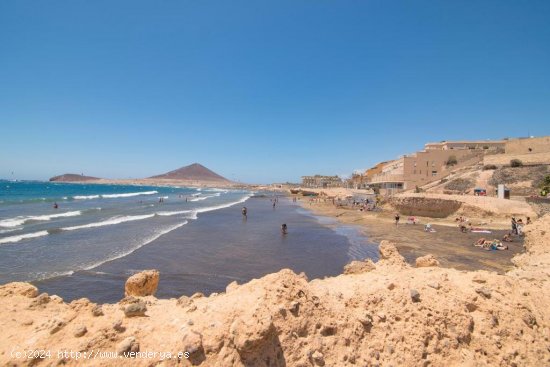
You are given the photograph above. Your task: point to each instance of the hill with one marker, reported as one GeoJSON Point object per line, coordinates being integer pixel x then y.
{"type": "Point", "coordinates": [72, 177]}
{"type": "Point", "coordinates": [193, 172]}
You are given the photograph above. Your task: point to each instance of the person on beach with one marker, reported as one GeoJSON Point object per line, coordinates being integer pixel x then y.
{"type": "Point", "coordinates": [274, 204]}
{"type": "Point", "coordinates": [244, 211]}
{"type": "Point", "coordinates": [514, 226]}
{"type": "Point", "coordinates": [55, 206]}
{"type": "Point", "coordinates": [397, 217]}
{"type": "Point", "coordinates": [284, 228]}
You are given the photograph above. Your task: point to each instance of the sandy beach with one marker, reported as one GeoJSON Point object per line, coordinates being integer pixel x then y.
{"type": "Point", "coordinates": [448, 244]}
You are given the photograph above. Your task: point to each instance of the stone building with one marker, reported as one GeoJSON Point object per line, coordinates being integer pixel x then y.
{"type": "Point", "coordinates": [319, 181]}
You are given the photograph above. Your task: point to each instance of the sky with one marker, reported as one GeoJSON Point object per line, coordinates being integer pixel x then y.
{"type": "Point", "coordinates": [262, 91]}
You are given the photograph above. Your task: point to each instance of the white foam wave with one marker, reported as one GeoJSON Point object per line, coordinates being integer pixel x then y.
{"type": "Point", "coordinates": [129, 194]}
{"type": "Point", "coordinates": [25, 236]}
{"type": "Point", "coordinates": [17, 221]}
{"type": "Point", "coordinates": [168, 214]}
{"type": "Point", "coordinates": [109, 222]}
{"type": "Point", "coordinates": [2, 231]}
{"type": "Point", "coordinates": [114, 196]}
{"type": "Point", "coordinates": [85, 197]}
{"type": "Point", "coordinates": [129, 251]}
{"type": "Point", "coordinates": [222, 206]}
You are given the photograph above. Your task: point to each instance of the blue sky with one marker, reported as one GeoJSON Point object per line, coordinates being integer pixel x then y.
{"type": "Point", "coordinates": [262, 91]}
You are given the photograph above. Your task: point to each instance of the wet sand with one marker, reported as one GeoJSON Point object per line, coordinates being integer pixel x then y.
{"type": "Point", "coordinates": [451, 247]}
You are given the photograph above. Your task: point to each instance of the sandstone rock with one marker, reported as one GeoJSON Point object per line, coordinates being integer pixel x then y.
{"type": "Point", "coordinates": [55, 325]}
{"type": "Point", "coordinates": [19, 288]}
{"type": "Point", "coordinates": [80, 331]}
{"type": "Point", "coordinates": [389, 254]}
{"type": "Point", "coordinates": [117, 326]}
{"type": "Point", "coordinates": [128, 345]}
{"type": "Point", "coordinates": [358, 267]}
{"type": "Point", "coordinates": [426, 261]}
{"type": "Point", "coordinates": [97, 311]}
{"type": "Point", "coordinates": [231, 286]}
{"type": "Point", "coordinates": [135, 309]}
{"type": "Point", "coordinates": [318, 358]}
{"type": "Point", "coordinates": [415, 296]}
{"type": "Point", "coordinates": [40, 301]}
{"type": "Point", "coordinates": [484, 291]}
{"type": "Point", "coordinates": [192, 344]}
{"type": "Point", "coordinates": [142, 284]}
{"type": "Point", "coordinates": [434, 285]}
{"type": "Point", "coordinates": [250, 334]}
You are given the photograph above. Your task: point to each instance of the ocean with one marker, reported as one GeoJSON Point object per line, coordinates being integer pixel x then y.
{"type": "Point", "coordinates": [197, 238]}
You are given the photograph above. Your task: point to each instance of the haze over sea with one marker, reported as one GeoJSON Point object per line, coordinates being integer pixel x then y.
{"type": "Point", "coordinates": [95, 235]}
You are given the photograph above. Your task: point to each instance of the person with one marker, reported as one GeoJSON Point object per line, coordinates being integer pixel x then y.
{"type": "Point", "coordinates": [55, 206]}
{"type": "Point", "coordinates": [244, 211]}
{"type": "Point", "coordinates": [274, 204]}
{"type": "Point", "coordinates": [463, 228]}
{"type": "Point", "coordinates": [508, 238]}
{"type": "Point", "coordinates": [284, 228]}
{"type": "Point", "coordinates": [397, 219]}
{"type": "Point", "coordinates": [514, 226]}
{"type": "Point", "coordinates": [519, 227]}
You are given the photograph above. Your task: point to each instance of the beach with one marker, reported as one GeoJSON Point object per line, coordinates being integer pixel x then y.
{"type": "Point", "coordinates": [452, 247]}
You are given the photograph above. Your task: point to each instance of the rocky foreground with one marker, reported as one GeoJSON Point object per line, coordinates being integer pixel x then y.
{"type": "Point", "coordinates": [386, 313]}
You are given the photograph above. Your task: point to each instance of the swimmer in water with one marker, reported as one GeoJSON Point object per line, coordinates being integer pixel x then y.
{"type": "Point", "coordinates": [284, 228]}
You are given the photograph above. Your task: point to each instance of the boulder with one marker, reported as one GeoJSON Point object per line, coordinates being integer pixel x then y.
{"type": "Point", "coordinates": [128, 345]}
{"type": "Point", "coordinates": [389, 254]}
{"type": "Point", "coordinates": [142, 284]}
{"type": "Point", "coordinates": [135, 309]}
{"type": "Point", "coordinates": [358, 267]}
{"type": "Point", "coordinates": [426, 261]}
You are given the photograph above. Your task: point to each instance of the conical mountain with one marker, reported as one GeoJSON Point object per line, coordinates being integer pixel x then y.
{"type": "Point", "coordinates": [193, 172]}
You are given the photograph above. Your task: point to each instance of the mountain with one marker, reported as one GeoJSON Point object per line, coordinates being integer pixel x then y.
{"type": "Point", "coordinates": [72, 177]}
{"type": "Point", "coordinates": [193, 172]}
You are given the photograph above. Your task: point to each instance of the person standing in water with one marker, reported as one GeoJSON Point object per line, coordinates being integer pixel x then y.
{"type": "Point", "coordinates": [244, 211]}
{"type": "Point", "coordinates": [284, 228]}
{"type": "Point", "coordinates": [55, 206]}
{"type": "Point", "coordinates": [397, 217]}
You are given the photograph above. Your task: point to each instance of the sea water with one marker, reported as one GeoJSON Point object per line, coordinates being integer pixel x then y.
{"type": "Point", "coordinates": [100, 234]}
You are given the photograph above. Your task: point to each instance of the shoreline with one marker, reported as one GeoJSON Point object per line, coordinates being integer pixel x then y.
{"type": "Point", "coordinates": [452, 248]}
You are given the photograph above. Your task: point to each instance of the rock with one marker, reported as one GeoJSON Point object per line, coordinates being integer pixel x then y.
{"type": "Point", "coordinates": [366, 321]}
{"type": "Point", "coordinates": [231, 286]}
{"type": "Point", "coordinates": [529, 319]}
{"type": "Point", "coordinates": [197, 295]}
{"type": "Point", "coordinates": [484, 291]}
{"type": "Point", "coordinates": [479, 279]}
{"type": "Point", "coordinates": [391, 286]}
{"type": "Point", "coordinates": [192, 344]}
{"type": "Point", "coordinates": [128, 345]}
{"type": "Point", "coordinates": [358, 267]}
{"type": "Point", "coordinates": [117, 326]}
{"type": "Point", "coordinates": [19, 288]}
{"type": "Point", "coordinates": [318, 358]}
{"type": "Point", "coordinates": [294, 307]}
{"type": "Point", "coordinates": [97, 310]}
{"type": "Point", "coordinates": [426, 261]}
{"type": "Point", "coordinates": [381, 316]}
{"type": "Point", "coordinates": [135, 309]}
{"type": "Point", "coordinates": [250, 334]}
{"type": "Point", "coordinates": [56, 325]}
{"type": "Point", "coordinates": [80, 331]}
{"type": "Point", "coordinates": [183, 301]}
{"type": "Point", "coordinates": [40, 301]}
{"type": "Point", "coordinates": [415, 296]}
{"type": "Point", "coordinates": [142, 284]}
{"type": "Point", "coordinates": [389, 254]}
{"type": "Point", "coordinates": [434, 285]}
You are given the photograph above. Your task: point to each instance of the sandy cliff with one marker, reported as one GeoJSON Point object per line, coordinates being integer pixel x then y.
{"type": "Point", "coordinates": [384, 313]}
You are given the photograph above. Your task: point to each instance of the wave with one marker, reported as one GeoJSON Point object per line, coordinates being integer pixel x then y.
{"type": "Point", "coordinates": [25, 236]}
{"type": "Point", "coordinates": [129, 251]}
{"type": "Point", "coordinates": [114, 196]}
{"type": "Point", "coordinates": [221, 206]}
{"type": "Point", "coordinates": [18, 221]}
{"type": "Point", "coordinates": [108, 222]}
{"type": "Point", "coordinates": [2, 231]}
{"type": "Point", "coordinates": [168, 214]}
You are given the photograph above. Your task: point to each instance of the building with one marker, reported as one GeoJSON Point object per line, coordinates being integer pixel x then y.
{"type": "Point", "coordinates": [491, 145]}
{"type": "Point", "coordinates": [431, 164]}
{"type": "Point", "coordinates": [528, 145]}
{"type": "Point", "coordinates": [319, 181]}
